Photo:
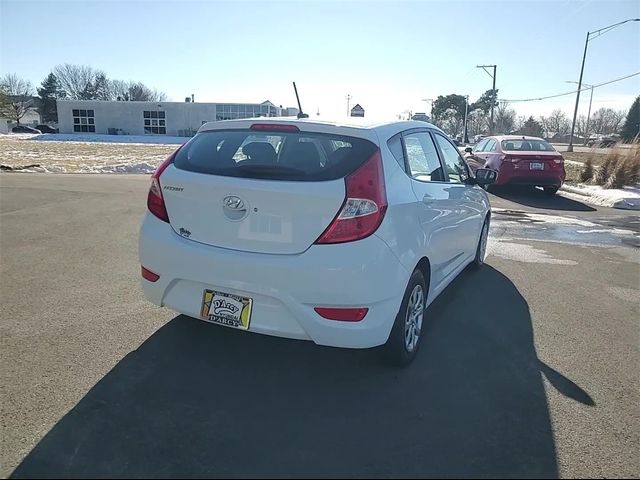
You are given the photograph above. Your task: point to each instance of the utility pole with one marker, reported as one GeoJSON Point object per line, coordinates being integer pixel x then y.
{"type": "Point", "coordinates": [494, 97]}
{"type": "Point", "coordinates": [348, 97]}
{"type": "Point", "coordinates": [465, 136]}
{"type": "Point", "coordinates": [586, 129]}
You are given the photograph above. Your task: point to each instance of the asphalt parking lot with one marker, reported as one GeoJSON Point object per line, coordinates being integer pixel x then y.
{"type": "Point", "coordinates": [528, 367]}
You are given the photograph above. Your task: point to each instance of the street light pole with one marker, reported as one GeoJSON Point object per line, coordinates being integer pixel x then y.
{"type": "Point", "coordinates": [595, 33]}
{"type": "Point", "coordinates": [348, 97]}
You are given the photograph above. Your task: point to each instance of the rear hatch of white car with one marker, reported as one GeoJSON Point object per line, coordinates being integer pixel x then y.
{"type": "Point", "coordinates": [270, 188]}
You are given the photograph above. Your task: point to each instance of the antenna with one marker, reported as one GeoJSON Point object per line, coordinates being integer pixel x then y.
{"type": "Point", "coordinates": [300, 114]}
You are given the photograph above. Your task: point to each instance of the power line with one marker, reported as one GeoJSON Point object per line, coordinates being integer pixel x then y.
{"type": "Point", "coordinates": [571, 93]}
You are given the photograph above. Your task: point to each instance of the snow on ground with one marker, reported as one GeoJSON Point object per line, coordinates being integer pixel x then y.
{"type": "Point", "coordinates": [96, 137]}
{"type": "Point", "coordinates": [55, 156]}
{"type": "Point", "coordinates": [626, 198]}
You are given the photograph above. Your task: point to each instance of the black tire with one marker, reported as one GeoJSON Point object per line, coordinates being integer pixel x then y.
{"type": "Point", "coordinates": [481, 249]}
{"type": "Point", "coordinates": [396, 351]}
{"type": "Point", "coordinates": [550, 190]}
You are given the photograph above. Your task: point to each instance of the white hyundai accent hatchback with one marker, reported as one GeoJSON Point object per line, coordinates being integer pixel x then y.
{"type": "Point", "coordinates": [336, 232]}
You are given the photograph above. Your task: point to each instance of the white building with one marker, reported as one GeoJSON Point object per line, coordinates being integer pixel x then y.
{"type": "Point", "coordinates": [154, 118]}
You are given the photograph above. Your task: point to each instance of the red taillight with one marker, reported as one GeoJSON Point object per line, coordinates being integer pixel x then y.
{"type": "Point", "coordinates": [149, 275]}
{"type": "Point", "coordinates": [364, 206]}
{"type": "Point", "coordinates": [509, 158]}
{"type": "Point", "coordinates": [342, 314]}
{"type": "Point", "coordinates": [274, 127]}
{"type": "Point", "coordinates": [155, 201]}
{"type": "Point", "coordinates": [558, 159]}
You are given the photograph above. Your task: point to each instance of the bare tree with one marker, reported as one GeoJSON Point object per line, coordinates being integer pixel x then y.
{"type": "Point", "coordinates": [581, 126]}
{"type": "Point", "coordinates": [135, 91]}
{"type": "Point", "coordinates": [606, 121]}
{"type": "Point", "coordinates": [519, 123]}
{"type": "Point", "coordinates": [16, 97]}
{"type": "Point", "coordinates": [558, 122]}
{"type": "Point", "coordinates": [477, 122]}
{"type": "Point", "coordinates": [505, 118]}
{"type": "Point", "coordinates": [81, 82]}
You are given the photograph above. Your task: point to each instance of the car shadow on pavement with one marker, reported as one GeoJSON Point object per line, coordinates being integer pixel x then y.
{"type": "Point", "coordinates": [535, 197]}
{"type": "Point", "coordinates": [197, 400]}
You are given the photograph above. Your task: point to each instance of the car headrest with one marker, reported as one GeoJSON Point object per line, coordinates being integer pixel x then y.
{"type": "Point", "coordinates": [303, 154]}
{"type": "Point", "coordinates": [260, 152]}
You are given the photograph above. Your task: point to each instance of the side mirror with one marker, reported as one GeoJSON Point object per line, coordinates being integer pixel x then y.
{"type": "Point", "coordinates": [468, 149]}
{"type": "Point", "coordinates": [486, 176]}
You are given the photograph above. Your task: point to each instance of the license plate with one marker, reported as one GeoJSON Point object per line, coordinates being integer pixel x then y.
{"type": "Point", "coordinates": [226, 309]}
{"type": "Point", "coordinates": [536, 166]}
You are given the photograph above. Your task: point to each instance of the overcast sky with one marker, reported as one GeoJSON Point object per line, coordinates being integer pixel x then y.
{"type": "Point", "coordinates": [387, 55]}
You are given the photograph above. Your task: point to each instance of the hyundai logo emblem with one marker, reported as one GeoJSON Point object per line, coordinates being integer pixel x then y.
{"type": "Point", "coordinates": [233, 203]}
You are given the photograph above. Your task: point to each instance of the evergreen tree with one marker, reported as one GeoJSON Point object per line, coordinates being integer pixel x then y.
{"type": "Point", "coordinates": [49, 92]}
{"type": "Point", "coordinates": [532, 128]}
{"type": "Point", "coordinates": [631, 128]}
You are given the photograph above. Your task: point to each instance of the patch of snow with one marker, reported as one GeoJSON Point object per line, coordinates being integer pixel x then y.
{"type": "Point", "coordinates": [614, 231]}
{"type": "Point", "coordinates": [141, 167]}
{"type": "Point", "coordinates": [573, 162]}
{"type": "Point", "coordinates": [522, 253]}
{"type": "Point", "coordinates": [625, 198]}
{"type": "Point", "coordinates": [97, 137]}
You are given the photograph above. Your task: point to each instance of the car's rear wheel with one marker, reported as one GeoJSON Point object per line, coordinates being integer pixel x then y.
{"type": "Point", "coordinates": [481, 250]}
{"type": "Point", "coordinates": [404, 340]}
{"type": "Point", "coordinates": [550, 190]}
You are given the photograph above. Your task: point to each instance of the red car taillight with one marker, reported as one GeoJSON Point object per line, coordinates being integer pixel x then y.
{"type": "Point", "coordinates": [364, 206]}
{"type": "Point", "coordinates": [155, 201]}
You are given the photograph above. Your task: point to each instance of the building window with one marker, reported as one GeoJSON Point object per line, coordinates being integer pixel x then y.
{"type": "Point", "coordinates": [83, 121]}
{"type": "Point", "coordinates": [154, 122]}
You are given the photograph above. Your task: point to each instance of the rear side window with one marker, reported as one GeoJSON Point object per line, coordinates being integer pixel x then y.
{"type": "Point", "coordinates": [480, 146]}
{"type": "Point", "coordinates": [395, 145]}
{"type": "Point", "coordinates": [299, 156]}
{"type": "Point", "coordinates": [490, 146]}
{"type": "Point", "coordinates": [524, 145]}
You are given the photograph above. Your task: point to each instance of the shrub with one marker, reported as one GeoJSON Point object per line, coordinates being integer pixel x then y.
{"type": "Point", "coordinates": [587, 172]}
{"type": "Point", "coordinates": [621, 168]}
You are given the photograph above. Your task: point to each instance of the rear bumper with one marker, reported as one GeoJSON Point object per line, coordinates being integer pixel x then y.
{"type": "Point", "coordinates": [284, 288]}
{"type": "Point", "coordinates": [512, 175]}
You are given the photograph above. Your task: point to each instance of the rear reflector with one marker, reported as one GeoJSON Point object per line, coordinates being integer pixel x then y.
{"type": "Point", "coordinates": [149, 275]}
{"type": "Point", "coordinates": [342, 314]}
{"type": "Point", "coordinates": [274, 127]}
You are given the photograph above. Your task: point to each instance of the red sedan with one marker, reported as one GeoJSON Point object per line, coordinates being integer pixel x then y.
{"type": "Point", "coordinates": [519, 160]}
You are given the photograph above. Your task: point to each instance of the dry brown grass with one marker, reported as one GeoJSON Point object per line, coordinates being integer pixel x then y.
{"type": "Point", "coordinates": [74, 156]}
{"type": "Point", "coordinates": [619, 168]}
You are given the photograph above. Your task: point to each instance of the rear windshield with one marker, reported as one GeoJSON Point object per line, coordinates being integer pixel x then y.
{"type": "Point", "coordinates": [527, 146]}
{"type": "Point", "coordinates": [299, 156]}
